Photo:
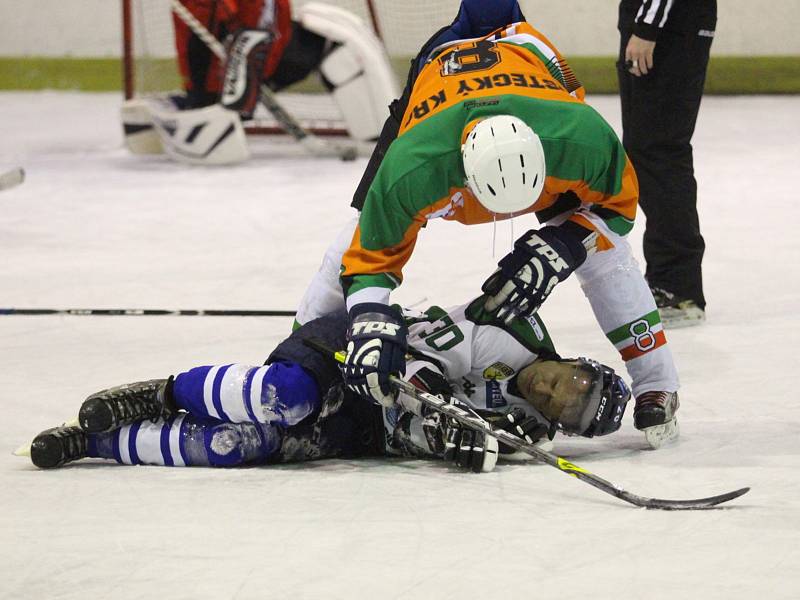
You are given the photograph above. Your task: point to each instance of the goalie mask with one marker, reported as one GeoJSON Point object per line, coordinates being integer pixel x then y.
{"type": "Point", "coordinates": [504, 163]}
{"type": "Point", "coordinates": [578, 396]}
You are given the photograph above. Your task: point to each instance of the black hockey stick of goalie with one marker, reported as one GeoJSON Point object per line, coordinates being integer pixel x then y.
{"type": "Point", "coordinates": [548, 458]}
{"type": "Point", "coordinates": [310, 142]}
{"type": "Point", "coordinates": [144, 312]}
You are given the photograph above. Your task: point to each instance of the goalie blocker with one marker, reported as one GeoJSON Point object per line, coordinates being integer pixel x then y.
{"type": "Point", "coordinates": [247, 53]}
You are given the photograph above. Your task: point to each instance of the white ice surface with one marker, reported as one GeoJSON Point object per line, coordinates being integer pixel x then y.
{"type": "Point", "coordinates": [95, 227]}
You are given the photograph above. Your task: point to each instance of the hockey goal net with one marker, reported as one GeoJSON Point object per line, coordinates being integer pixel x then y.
{"type": "Point", "coordinates": [149, 59]}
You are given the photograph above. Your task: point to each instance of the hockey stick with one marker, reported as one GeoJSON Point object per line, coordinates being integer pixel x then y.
{"type": "Point", "coordinates": [144, 312]}
{"type": "Point", "coordinates": [548, 458]}
{"type": "Point", "coordinates": [310, 142]}
{"type": "Point", "coordinates": [11, 178]}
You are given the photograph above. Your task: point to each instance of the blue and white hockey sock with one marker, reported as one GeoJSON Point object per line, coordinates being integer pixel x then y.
{"type": "Point", "coordinates": [186, 440]}
{"type": "Point", "coordinates": [280, 393]}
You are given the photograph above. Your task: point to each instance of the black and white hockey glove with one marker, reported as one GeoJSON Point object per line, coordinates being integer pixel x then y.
{"type": "Point", "coordinates": [466, 448]}
{"type": "Point", "coordinates": [528, 429]}
{"type": "Point", "coordinates": [376, 348]}
{"type": "Point", "coordinates": [528, 274]}
{"type": "Point", "coordinates": [244, 68]}
{"type": "Point", "coordinates": [469, 449]}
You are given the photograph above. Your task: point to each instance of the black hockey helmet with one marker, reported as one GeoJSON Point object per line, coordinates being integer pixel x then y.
{"type": "Point", "coordinates": [606, 400]}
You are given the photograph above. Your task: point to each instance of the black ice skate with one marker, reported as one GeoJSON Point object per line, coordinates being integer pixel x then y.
{"type": "Point", "coordinates": [654, 415]}
{"type": "Point", "coordinates": [57, 446]}
{"type": "Point", "coordinates": [676, 312]}
{"type": "Point", "coordinates": [125, 404]}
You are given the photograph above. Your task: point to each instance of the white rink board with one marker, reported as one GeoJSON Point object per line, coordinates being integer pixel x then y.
{"type": "Point", "coordinates": [94, 227]}
{"type": "Point", "coordinates": [91, 28]}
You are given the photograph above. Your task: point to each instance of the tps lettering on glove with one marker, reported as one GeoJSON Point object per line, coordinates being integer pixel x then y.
{"type": "Point", "coordinates": [526, 276]}
{"type": "Point", "coordinates": [376, 348]}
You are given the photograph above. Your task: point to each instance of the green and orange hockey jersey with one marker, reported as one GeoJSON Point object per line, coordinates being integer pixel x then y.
{"type": "Point", "coordinates": [513, 71]}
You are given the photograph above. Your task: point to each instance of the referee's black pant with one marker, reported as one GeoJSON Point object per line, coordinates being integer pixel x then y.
{"type": "Point", "coordinates": [659, 112]}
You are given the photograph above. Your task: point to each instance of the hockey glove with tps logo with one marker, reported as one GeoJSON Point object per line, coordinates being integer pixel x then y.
{"type": "Point", "coordinates": [527, 275]}
{"type": "Point", "coordinates": [376, 348]}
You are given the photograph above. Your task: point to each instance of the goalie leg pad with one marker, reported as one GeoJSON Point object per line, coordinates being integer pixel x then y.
{"type": "Point", "coordinates": [137, 125]}
{"type": "Point", "coordinates": [351, 92]}
{"type": "Point", "coordinates": [357, 69]}
{"type": "Point", "coordinates": [205, 136]}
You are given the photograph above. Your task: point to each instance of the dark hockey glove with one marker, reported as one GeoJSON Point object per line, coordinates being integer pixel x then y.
{"type": "Point", "coordinates": [527, 275]}
{"type": "Point", "coordinates": [528, 429]}
{"type": "Point", "coordinates": [244, 68]}
{"type": "Point", "coordinates": [433, 382]}
{"type": "Point", "coordinates": [376, 348]}
{"type": "Point", "coordinates": [466, 448]}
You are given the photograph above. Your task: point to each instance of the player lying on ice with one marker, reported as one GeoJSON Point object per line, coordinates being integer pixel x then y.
{"type": "Point", "coordinates": [493, 125]}
{"type": "Point", "coordinates": [297, 408]}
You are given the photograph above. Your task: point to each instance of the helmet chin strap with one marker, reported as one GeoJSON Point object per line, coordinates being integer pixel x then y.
{"type": "Point", "coordinates": [494, 233]}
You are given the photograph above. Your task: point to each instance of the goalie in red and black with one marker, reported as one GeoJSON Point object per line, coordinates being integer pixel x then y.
{"type": "Point", "coordinates": [266, 46]}
{"type": "Point", "coordinates": [263, 45]}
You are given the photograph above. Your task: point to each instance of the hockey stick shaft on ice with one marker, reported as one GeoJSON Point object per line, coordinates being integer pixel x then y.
{"type": "Point", "coordinates": [310, 142]}
{"type": "Point", "coordinates": [11, 178]}
{"type": "Point", "coordinates": [563, 465]}
{"type": "Point", "coordinates": [144, 312]}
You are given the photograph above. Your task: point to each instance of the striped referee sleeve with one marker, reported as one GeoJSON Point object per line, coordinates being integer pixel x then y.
{"type": "Point", "coordinates": [651, 18]}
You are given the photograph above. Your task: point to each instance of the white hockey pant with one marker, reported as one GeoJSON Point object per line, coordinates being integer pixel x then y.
{"type": "Point", "coordinates": [325, 294]}
{"type": "Point", "coordinates": [625, 309]}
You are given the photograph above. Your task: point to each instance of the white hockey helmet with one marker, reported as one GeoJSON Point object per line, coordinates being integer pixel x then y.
{"type": "Point", "coordinates": [504, 164]}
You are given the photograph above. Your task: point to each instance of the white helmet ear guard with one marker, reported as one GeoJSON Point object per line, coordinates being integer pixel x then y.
{"type": "Point", "coordinates": [504, 164]}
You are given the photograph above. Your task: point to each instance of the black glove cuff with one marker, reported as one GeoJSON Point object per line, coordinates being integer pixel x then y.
{"type": "Point", "coordinates": [646, 31]}
{"type": "Point", "coordinates": [569, 236]}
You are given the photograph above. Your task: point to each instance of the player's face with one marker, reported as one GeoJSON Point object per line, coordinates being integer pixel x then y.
{"type": "Point", "coordinates": [557, 389]}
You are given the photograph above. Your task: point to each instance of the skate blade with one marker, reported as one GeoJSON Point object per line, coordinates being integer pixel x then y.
{"type": "Point", "coordinates": [25, 449]}
{"type": "Point", "coordinates": [658, 435]}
